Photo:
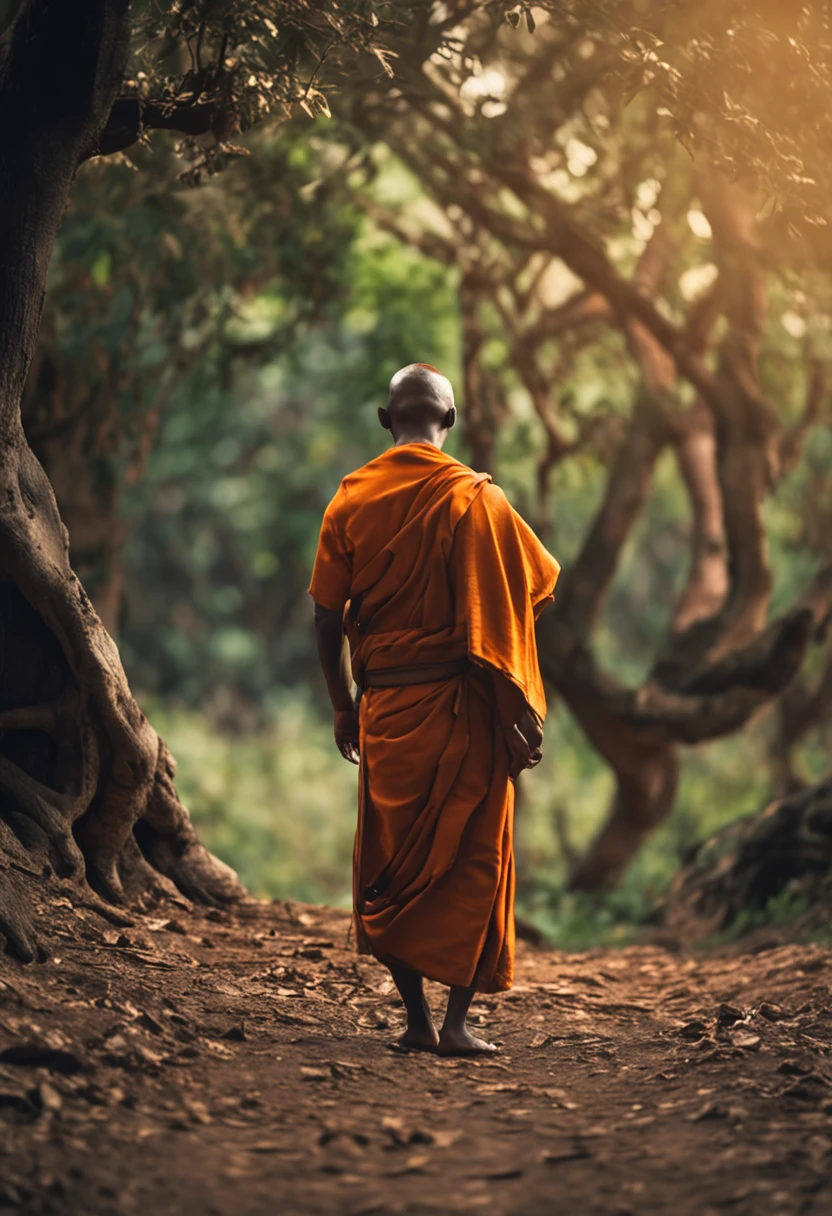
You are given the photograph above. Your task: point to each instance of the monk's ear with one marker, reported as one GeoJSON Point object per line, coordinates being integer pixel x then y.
{"type": "Point", "coordinates": [384, 419]}
{"type": "Point", "coordinates": [450, 418]}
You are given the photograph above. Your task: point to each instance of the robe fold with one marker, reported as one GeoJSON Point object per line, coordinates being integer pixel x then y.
{"type": "Point", "coordinates": [430, 563]}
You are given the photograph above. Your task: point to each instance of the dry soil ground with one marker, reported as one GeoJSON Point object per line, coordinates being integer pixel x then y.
{"type": "Point", "coordinates": [235, 1064]}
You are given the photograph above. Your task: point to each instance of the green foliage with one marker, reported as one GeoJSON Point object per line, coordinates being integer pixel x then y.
{"type": "Point", "coordinates": [278, 802]}
{"type": "Point", "coordinates": [780, 910]}
{"type": "Point", "coordinates": [254, 324]}
{"type": "Point", "coordinates": [224, 526]}
{"type": "Point", "coordinates": [155, 290]}
{"type": "Point", "coordinates": [211, 71]}
{"type": "Point", "coordinates": [742, 84]}
{"type": "Point", "coordinates": [222, 535]}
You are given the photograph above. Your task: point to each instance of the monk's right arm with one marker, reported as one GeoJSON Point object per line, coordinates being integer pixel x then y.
{"type": "Point", "coordinates": [334, 654]}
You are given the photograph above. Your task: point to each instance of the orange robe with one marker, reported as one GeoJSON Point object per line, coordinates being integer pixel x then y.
{"type": "Point", "coordinates": [431, 564]}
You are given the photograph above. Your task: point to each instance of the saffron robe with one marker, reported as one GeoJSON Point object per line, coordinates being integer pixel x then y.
{"type": "Point", "coordinates": [430, 563]}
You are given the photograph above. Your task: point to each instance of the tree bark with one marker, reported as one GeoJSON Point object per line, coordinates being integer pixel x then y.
{"type": "Point", "coordinates": [481, 411]}
{"type": "Point", "coordinates": [80, 766]}
{"type": "Point", "coordinates": [708, 581]}
{"type": "Point", "coordinates": [62, 423]}
{"type": "Point", "coordinates": [747, 430]}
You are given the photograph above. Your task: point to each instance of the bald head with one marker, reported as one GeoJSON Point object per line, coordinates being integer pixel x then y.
{"type": "Point", "coordinates": [420, 405]}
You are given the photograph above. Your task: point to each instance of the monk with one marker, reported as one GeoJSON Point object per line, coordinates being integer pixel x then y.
{"type": "Point", "coordinates": [427, 585]}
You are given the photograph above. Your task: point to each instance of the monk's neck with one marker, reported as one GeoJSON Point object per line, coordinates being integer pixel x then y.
{"type": "Point", "coordinates": [435, 439]}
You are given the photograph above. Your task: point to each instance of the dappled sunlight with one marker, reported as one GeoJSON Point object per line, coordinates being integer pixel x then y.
{"type": "Point", "coordinates": [258, 263]}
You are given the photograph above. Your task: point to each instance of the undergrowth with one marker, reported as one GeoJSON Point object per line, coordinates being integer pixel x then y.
{"type": "Point", "coordinates": [278, 803]}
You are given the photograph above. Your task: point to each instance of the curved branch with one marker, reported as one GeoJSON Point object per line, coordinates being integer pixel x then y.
{"type": "Point", "coordinates": [130, 117]}
{"type": "Point", "coordinates": [586, 583]}
{"type": "Point", "coordinates": [561, 237]}
{"type": "Point", "coordinates": [637, 731]}
{"type": "Point", "coordinates": [431, 244]}
{"type": "Point", "coordinates": [707, 582]}
{"type": "Point", "coordinates": [802, 708]}
{"type": "Point", "coordinates": [584, 307]}
{"type": "Point", "coordinates": [646, 765]}
{"type": "Point", "coordinates": [747, 429]}
{"type": "Point", "coordinates": [481, 395]}
{"type": "Point", "coordinates": [791, 444]}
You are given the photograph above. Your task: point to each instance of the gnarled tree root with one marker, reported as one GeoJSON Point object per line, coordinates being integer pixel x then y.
{"type": "Point", "coordinates": [17, 922]}
{"type": "Point", "coordinates": [86, 784]}
{"type": "Point", "coordinates": [80, 765]}
{"type": "Point", "coordinates": [17, 918]}
{"type": "Point", "coordinates": [785, 846]}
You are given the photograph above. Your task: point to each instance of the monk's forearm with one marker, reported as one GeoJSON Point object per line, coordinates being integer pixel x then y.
{"type": "Point", "coordinates": [334, 654]}
{"type": "Point", "coordinates": [522, 728]}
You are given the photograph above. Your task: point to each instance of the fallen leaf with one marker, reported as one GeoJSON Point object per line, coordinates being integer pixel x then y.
{"type": "Point", "coordinates": [446, 1138]}
{"type": "Point", "coordinates": [772, 1013]}
{"type": "Point", "coordinates": [49, 1098]}
{"type": "Point", "coordinates": [745, 1040]}
{"type": "Point", "coordinates": [315, 1074]}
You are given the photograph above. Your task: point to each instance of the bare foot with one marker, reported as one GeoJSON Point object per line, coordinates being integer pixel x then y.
{"type": "Point", "coordinates": [463, 1043]}
{"type": "Point", "coordinates": [420, 1038]}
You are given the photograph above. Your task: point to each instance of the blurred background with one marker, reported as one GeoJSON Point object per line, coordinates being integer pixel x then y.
{"type": "Point", "coordinates": [215, 347]}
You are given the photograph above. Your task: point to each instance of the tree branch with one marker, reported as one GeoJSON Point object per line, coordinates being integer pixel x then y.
{"type": "Point", "coordinates": [791, 444]}
{"type": "Point", "coordinates": [746, 426]}
{"type": "Point", "coordinates": [707, 582]}
{"type": "Point", "coordinates": [802, 707]}
{"type": "Point", "coordinates": [130, 117]}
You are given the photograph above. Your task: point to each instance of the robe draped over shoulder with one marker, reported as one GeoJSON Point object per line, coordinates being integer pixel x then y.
{"type": "Point", "coordinates": [430, 563]}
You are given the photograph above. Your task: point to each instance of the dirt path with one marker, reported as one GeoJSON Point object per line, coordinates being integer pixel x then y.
{"type": "Point", "coordinates": [235, 1066]}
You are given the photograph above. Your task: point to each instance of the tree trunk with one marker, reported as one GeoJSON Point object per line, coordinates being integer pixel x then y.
{"type": "Point", "coordinates": [481, 412]}
{"type": "Point", "coordinates": [75, 449]}
{"type": "Point", "coordinates": [85, 782]}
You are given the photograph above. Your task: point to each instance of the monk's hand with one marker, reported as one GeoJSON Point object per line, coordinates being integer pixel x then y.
{"type": "Point", "coordinates": [524, 743]}
{"type": "Point", "coordinates": [346, 734]}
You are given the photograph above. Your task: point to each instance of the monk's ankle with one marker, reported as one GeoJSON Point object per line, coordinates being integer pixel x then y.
{"type": "Point", "coordinates": [421, 1023]}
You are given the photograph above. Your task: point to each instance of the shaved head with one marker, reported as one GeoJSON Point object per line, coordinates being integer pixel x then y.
{"type": "Point", "coordinates": [420, 404]}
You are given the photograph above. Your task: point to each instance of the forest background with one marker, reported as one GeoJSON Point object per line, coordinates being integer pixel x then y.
{"type": "Point", "coordinates": [212, 355]}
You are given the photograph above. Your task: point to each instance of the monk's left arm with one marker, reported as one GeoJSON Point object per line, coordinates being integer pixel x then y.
{"type": "Point", "coordinates": [334, 654]}
{"type": "Point", "coordinates": [522, 727]}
